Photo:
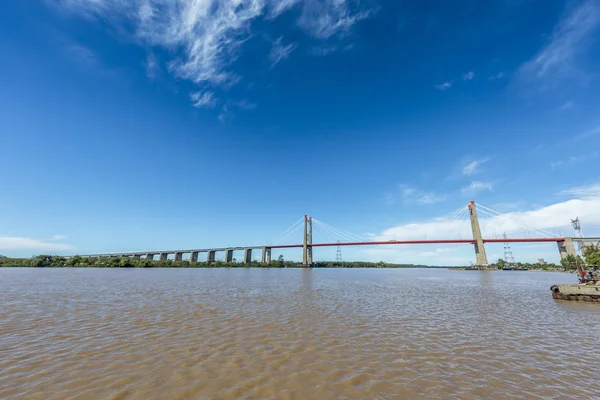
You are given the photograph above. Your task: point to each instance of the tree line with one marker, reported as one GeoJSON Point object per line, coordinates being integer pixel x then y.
{"type": "Point", "coordinates": [48, 261]}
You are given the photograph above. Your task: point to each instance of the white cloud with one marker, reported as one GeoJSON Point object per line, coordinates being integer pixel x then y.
{"type": "Point", "coordinates": [546, 218]}
{"type": "Point", "coordinates": [58, 237]}
{"type": "Point", "coordinates": [206, 99]}
{"type": "Point", "coordinates": [444, 86]}
{"type": "Point", "coordinates": [497, 76]}
{"type": "Point", "coordinates": [468, 76]}
{"type": "Point", "coordinates": [21, 243]}
{"type": "Point", "coordinates": [584, 192]}
{"type": "Point", "coordinates": [280, 52]}
{"type": "Point", "coordinates": [477, 186]}
{"type": "Point", "coordinates": [571, 37]}
{"type": "Point", "coordinates": [204, 37]}
{"type": "Point", "coordinates": [411, 195]}
{"type": "Point", "coordinates": [471, 168]}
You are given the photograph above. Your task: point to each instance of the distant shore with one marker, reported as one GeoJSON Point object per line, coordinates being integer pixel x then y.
{"type": "Point", "coordinates": [126, 262]}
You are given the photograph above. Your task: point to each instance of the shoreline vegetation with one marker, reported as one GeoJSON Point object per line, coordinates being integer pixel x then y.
{"type": "Point", "coordinates": [47, 261]}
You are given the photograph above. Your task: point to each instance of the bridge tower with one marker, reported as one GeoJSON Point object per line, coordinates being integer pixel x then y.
{"type": "Point", "coordinates": [480, 255]}
{"type": "Point", "coordinates": [307, 256]}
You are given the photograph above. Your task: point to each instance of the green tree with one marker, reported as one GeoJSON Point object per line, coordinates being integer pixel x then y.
{"type": "Point", "coordinates": [592, 255]}
{"type": "Point", "coordinates": [570, 262]}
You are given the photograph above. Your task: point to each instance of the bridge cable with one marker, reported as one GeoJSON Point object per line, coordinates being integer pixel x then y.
{"type": "Point", "coordinates": [538, 230]}
{"type": "Point", "coordinates": [343, 232]}
{"type": "Point", "coordinates": [488, 212]}
{"type": "Point", "coordinates": [285, 233]}
{"type": "Point", "coordinates": [334, 232]}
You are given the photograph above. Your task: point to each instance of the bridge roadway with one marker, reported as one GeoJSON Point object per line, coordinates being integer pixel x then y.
{"type": "Point", "coordinates": [266, 250]}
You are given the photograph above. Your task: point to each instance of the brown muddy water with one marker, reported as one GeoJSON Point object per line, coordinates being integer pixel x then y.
{"type": "Point", "coordinates": [293, 334]}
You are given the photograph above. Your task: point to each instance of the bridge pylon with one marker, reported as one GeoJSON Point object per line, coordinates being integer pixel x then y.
{"type": "Point", "coordinates": [480, 255]}
{"type": "Point", "coordinates": [307, 254]}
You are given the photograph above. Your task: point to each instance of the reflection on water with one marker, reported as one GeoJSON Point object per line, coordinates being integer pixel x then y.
{"type": "Point", "coordinates": [293, 334]}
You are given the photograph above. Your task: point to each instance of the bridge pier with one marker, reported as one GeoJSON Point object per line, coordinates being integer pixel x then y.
{"type": "Point", "coordinates": [266, 255]}
{"type": "Point", "coordinates": [480, 256]}
{"type": "Point", "coordinates": [164, 256]}
{"type": "Point", "coordinates": [178, 256]}
{"type": "Point", "coordinates": [194, 256]}
{"type": "Point", "coordinates": [137, 256]}
{"type": "Point", "coordinates": [566, 248]}
{"type": "Point", "coordinates": [229, 255]}
{"type": "Point", "coordinates": [247, 256]}
{"type": "Point", "coordinates": [150, 257]}
{"type": "Point", "coordinates": [210, 256]}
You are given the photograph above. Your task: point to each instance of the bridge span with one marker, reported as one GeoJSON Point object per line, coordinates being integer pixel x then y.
{"type": "Point", "coordinates": [565, 245]}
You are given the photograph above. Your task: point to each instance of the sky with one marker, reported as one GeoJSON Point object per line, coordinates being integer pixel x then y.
{"type": "Point", "coordinates": [134, 125]}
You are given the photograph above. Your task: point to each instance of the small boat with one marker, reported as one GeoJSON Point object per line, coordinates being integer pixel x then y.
{"type": "Point", "coordinates": [588, 288]}
{"type": "Point", "coordinates": [589, 291]}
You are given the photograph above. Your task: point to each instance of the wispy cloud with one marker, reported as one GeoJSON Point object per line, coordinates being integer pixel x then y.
{"type": "Point", "coordinates": [573, 160]}
{"type": "Point", "coordinates": [571, 37]}
{"type": "Point", "coordinates": [473, 166]}
{"type": "Point", "coordinates": [203, 99]}
{"type": "Point", "coordinates": [22, 243]}
{"type": "Point", "coordinates": [468, 76]}
{"type": "Point", "coordinates": [280, 51]}
{"type": "Point", "coordinates": [204, 37]}
{"type": "Point", "coordinates": [152, 67]}
{"type": "Point", "coordinates": [477, 187]}
{"type": "Point", "coordinates": [227, 111]}
{"type": "Point", "coordinates": [494, 77]}
{"type": "Point", "coordinates": [444, 86]}
{"type": "Point", "coordinates": [567, 105]}
{"type": "Point", "coordinates": [411, 195]}
{"type": "Point", "coordinates": [592, 132]}
{"type": "Point", "coordinates": [591, 190]}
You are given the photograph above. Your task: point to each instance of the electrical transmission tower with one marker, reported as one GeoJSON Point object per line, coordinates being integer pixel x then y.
{"type": "Point", "coordinates": [577, 226]}
{"type": "Point", "coordinates": [578, 233]}
{"type": "Point", "coordinates": [509, 260]}
{"type": "Point", "coordinates": [338, 254]}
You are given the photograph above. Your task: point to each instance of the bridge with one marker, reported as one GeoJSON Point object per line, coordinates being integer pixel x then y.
{"type": "Point", "coordinates": [566, 245]}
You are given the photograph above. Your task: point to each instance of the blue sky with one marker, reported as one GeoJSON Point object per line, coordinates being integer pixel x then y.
{"type": "Point", "coordinates": [154, 124]}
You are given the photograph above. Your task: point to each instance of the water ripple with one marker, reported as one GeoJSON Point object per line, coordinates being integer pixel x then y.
{"type": "Point", "coordinates": [293, 334]}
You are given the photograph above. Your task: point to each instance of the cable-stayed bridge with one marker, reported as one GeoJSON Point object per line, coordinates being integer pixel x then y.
{"type": "Point", "coordinates": [337, 237]}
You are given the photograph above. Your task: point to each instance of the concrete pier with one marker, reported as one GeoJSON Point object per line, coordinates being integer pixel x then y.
{"type": "Point", "coordinates": [164, 256]}
{"type": "Point", "coordinates": [178, 256]}
{"type": "Point", "coordinates": [210, 256]}
{"type": "Point", "coordinates": [150, 257]}
{"type": "Point", "coordinates": [268, 256]}
{"type": "Point", "coordinates": [194, 256]}
{"type": "Point", "coordinates": [228, 255]}
{"type": "Point", "coordinates": [566, 248]}
{"type": "Point", "coordinates": [247, 256]}
{"type": "Point", "coordinates": [264, 255]}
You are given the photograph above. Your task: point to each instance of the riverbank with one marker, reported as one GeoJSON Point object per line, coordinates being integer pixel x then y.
{"type": "Point", "coordinates": [126, 262]}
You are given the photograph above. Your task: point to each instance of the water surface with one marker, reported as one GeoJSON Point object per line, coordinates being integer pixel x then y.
{"type": "Point", "coordinates": [293, 334]}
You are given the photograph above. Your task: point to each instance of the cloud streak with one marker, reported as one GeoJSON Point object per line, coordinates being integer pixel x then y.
{"type": "Point", "coordinates": [280, 51]}
{"type": "Point", "coordinates": [477, 187]}
{"type": "Point", "coordinates": [444, 86]}
{"type": "Point", "coordinates": [471, 168]}
{"type": "Point", "coordinates": [571, 37]}
{"type": "Point", "coordinates": [204, 37]}
{"type": "Point", "coordinates": [22, 243]}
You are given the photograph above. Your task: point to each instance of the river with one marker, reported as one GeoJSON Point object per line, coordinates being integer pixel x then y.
{"type": "Point", "coordinates": [293, 334]}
